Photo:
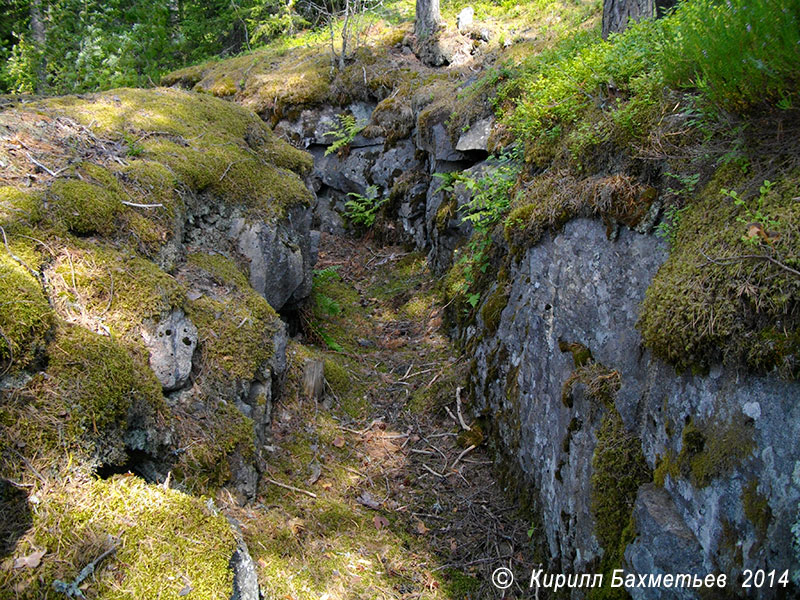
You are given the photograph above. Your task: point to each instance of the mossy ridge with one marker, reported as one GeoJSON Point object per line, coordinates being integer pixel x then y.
{"type": "Point", "coordinates": [186, 543]}
{"type": "Point", "coordinates": [554, 198]}
{"type": "Point", "coordinates": [107, 289]}
{"type": "Point", "coordinates": [706, 305]}
{"type": "Point", "coordinates": [25, 316]}
{"type": "Point", "coordinates": [235, 155]}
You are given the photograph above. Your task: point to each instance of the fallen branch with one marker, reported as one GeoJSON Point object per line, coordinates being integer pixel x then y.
{"type": "Point", "coordinates": [429, 470]}
{"type": "Point", "coordinates": [462, 455]}
{"type": "Point", "coordinates": [41, 166]}
{"type": "Point", "coordinates": [71, 589]}
{"type": "Point", "coordinates": [291, 488]}
{"type": "Point", "coordinates": [720, 261]}
{"type": "Point", "coordinates": [458, 409]}
{"type": "Point", "coordinates": [137, 205]}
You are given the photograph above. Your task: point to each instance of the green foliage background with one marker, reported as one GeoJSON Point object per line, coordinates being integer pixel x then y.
{"type": "Point", "coordinates": [91, 45]}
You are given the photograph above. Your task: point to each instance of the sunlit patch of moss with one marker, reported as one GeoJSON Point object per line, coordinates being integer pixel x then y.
{"type": "Point", "coordinates": [25, 316]}
{"type": "Point", "coordinates": [85, 208]}
{"type": "Point", "coordinates": [99, 380]}
{"type": "Point", "coordinates": [706, 304]}
{"type": "Point", "coordinates": [220, 159]}
{"type": "Point", "coordinates": [19, 207]}
{"type": "Point", "coordinates": [153, 530]}
{"type": "Point", "coordinates": [151, 183]}
{"type": "Point", "coordinates": [96, 285]}
{"type": "Point", "coordinates": [236, 329]}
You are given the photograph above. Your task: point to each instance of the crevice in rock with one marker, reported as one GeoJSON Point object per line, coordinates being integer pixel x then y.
{"type": "Point", "coordinates": [138, 462]}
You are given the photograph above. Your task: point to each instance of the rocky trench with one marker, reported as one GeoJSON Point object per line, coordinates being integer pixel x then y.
{"type": "Point", "coordinates": [576, 287]}
{"type": "Point", "coordinates": [720, 470]}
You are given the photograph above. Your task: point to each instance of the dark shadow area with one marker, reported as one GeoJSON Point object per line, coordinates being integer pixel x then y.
{"type": "Point", "coordinates": [15, 516]}
{"type": "Point", "coordinates": [139, 463]}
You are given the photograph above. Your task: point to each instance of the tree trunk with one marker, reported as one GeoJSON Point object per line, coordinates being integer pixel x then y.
{"type": "Point", "coordinates": [39, 37]}
{"type": "Point", "coordinates": [428, 19]}
{"type": "Point", "coordinates": [618, 13]}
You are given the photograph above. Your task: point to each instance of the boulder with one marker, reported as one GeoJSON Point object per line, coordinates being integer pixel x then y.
{"type": "Point", "coordinates": [171, 343]}
{"type": "Point", "coordinates": [476, 137]}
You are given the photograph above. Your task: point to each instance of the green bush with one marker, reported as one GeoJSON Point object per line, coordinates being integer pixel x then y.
{"type": "Point", "coordinates": [737, 53]}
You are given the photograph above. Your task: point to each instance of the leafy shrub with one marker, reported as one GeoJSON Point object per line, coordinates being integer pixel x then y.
{"type": "Point", "coordinates": [737, 53]}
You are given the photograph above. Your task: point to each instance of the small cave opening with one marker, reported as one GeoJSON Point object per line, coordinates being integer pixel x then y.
{"type": "Point", "coordinates": [290, 315]}
{"type": "Point", "coordinates": [138, 463]}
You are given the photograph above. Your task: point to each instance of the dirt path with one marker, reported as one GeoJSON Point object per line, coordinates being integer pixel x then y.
{"type": "Point", "coordinates": [398, 499]}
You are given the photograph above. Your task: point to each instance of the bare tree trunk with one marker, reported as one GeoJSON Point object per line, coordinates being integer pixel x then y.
{"type": "Point", "coordinates": [428, 19]}
{"type": "Point", "coordinates": [618, 13]}
{"type": "Point", "coordinates": [39, 39]}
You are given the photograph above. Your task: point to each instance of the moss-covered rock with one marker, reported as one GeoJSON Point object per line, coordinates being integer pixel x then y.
{"type": "Point", "coordinates": [165, 543]}
{"type": "Point", "coordinates": [25, 316]}
{"type": "Point", "coordinates": [235, 324]}
{"type": "Point", "coordinates": [720, 294]}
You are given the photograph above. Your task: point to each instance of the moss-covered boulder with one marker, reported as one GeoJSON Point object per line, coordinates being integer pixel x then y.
{"type": "Point", "coordinates": [121, 212]}
{"type": "Point", "coordinates": [154, 543]}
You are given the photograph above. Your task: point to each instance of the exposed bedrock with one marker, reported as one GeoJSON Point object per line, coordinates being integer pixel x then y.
{"type": "Point", "coordinates": [722, 445]}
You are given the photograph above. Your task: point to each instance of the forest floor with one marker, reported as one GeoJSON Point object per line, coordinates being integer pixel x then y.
{"type": "Point", "coordinates": [394, 497]}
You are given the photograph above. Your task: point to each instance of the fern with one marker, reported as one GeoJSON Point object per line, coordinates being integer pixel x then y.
{"type": "Point", "coordinates": [345, 133]}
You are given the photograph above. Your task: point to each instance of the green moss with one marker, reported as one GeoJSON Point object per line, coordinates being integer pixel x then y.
{"type": "Point", "coordinates": [25, 316]}
{"type": "Point", "coordinates": [756, 508]}
{"type": "Point", "coordinates": [154, 531]}
{"type": "Point", "coordinates": [119, 290]}
{"type": "Point", "coordinates": [553, 199]}
{"type": "Point", "coordinates": [447, 211]}
{"type": "Point", "coordinates": [84, 208]}
{"type": "Point", "coordinates": [336, 376]}
{"type": "Point", "coordinates": [205, 467]}
{"type": "Point", "coordinates": [666, 465]}
{"type": "Point", "coordinates": [19, 207]}
{"type": "Point", "coordinates": [235, 331]}
{"type": "Point", "coordinates": [235, 156]}
{"type": "Point", "coordinates": [98, 381]}
{"type": "Point", "coordinates": [618, 469]}
{"type": "Point", "coordinates": [222, 268]}
{"type": "Point", "coordinates": [601, 384]}
{"type": "Point", "coordinates": [714, 450]}
{"type": "Point", "coordinates": [493, 308]}
{"type": "Point", "coordinates": [698, 311]}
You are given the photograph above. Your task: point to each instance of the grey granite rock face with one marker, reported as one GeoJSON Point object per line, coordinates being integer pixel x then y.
{"type": "Point", "coordinates": [171, 343]}
{"type": "Point", "coordinates": [577, 286]}
{"type": "Point", "coordinates": [476, 137]}
{"type": "Point", "coordinates": [279, 255]}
